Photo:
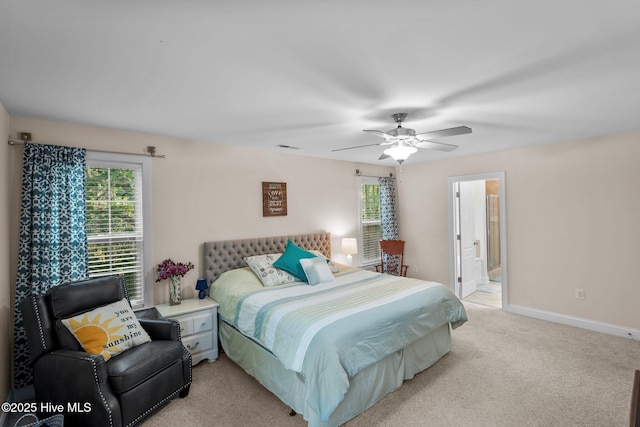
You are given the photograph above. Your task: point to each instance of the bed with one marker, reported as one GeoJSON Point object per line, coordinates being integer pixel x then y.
{"type": "Point", "coordinates": [324, 355]}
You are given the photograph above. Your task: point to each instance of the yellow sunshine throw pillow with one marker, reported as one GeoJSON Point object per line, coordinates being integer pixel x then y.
{"type": "Point", "coordinates": [108, 330]}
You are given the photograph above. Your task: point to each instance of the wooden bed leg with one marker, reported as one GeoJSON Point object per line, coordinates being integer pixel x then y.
{"type": "Point", "coordinates": [293, 413]}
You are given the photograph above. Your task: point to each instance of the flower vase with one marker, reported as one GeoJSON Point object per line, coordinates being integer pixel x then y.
{"type": "Point", "coordinates": [175, 290]}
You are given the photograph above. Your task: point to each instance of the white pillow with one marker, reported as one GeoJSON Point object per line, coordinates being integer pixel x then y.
{"type": "Point", "coordinates": [334, 268]}
{"type": "Point", "coordinates": [317, 270]}
{"type": "Point", "coordinates": [262, 266]}
{"type": "Point", "coordinates": [108, 330]}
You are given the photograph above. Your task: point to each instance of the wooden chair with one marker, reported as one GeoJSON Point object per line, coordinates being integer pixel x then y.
{"type": "Point", "coordinates": [392, 258]}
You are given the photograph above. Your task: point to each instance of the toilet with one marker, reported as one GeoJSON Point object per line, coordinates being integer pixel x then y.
{"type": "Point", "coordinates": [482, 278]}
{"type": "Point", "coordinates": [481, 275]}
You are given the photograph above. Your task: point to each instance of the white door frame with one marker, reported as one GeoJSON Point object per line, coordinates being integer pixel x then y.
{"type": "Point", "coordinates": [451, 181]}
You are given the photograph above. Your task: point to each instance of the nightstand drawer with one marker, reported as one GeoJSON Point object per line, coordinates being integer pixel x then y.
{"type": "Point", "coordinates": [186, 325]}
{"type": "Point", "coordinates": [197, 343]}
{"type": "Point", "coordinates": [202, 322]}
{"type": "Point", "coordinates": [198, 320]}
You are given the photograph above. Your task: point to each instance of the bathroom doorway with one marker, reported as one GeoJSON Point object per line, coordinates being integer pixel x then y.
{"type": "Point", "coordinates": [477, 224]}
{"type": "Point", "coordinates": [493, 230]}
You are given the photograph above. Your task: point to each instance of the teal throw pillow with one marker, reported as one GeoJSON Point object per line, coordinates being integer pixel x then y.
{"type": "Point", "coordinates": [290, 260]}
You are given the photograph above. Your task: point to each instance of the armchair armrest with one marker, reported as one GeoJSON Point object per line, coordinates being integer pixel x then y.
{"type": "Point", "coordinates": [164, 329]}
{"type": "Point", "coordinates": [169, 329]}
{"type": "Point", "coordinates": [53, 372]}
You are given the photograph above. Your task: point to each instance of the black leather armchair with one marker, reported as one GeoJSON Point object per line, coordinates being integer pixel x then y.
{"type": "Point", "coordinates": [119, 392]}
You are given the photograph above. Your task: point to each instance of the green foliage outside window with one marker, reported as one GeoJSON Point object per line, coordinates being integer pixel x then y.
{"type": "Point", "coordinates": [371, 228]}
{"type": "Point", "coordinates": [111, 200]}
{"type": "Point", "coordinates": [370, 199]}
{"type": "Point", "coordinates": [113, 225]}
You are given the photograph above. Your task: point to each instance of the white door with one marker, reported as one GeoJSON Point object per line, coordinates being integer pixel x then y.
{"type": "Point", "coordinates": [467, 240]}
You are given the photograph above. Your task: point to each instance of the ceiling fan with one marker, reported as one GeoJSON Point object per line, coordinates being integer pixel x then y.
{"type": "Point", "coordinates": [404, 142]}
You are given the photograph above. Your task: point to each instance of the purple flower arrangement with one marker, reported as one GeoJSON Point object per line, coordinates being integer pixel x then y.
{"type": "Point", "coordinates": [168, 268]}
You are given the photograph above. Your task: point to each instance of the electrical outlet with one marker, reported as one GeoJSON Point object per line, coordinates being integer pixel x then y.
{"type": "Point", "coordinates": [579, 293]}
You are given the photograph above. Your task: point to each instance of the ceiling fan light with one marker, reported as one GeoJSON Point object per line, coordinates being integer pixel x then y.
{"type": "Point", "coordinates": [400, 153]}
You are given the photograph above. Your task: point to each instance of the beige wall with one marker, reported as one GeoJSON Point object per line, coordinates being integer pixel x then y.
{"type": "Point", "coordinates": [572, 210]}
{"type": "Point", "coordinates": [6, 311]}
{"type": "Point", "coordinates": [572, 222]}
{"type": "Point", "coordinates": [203, 191]}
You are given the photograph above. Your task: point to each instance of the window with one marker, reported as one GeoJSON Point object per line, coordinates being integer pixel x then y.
{"type": "Point", "coordinates": [117, 192]}
{"type": "Point", "coordinates": [370, 226]}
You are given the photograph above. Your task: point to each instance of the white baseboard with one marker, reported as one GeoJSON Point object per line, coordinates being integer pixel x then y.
{"type": "Point", "coordinates": [591, 325]}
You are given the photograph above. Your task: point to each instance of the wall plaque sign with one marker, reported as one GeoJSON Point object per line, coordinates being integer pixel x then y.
{"type": "Point", "coordinates": [274, 199]}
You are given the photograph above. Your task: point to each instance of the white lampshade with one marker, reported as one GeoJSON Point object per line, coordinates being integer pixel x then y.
{"type": "Point", "coordinates": [349, 246]}
{"type": "Point", "coordinates": [400, 152]}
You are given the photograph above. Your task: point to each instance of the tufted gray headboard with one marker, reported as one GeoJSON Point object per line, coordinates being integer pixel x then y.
{"type": "Point", "coordinates": [227, 254]}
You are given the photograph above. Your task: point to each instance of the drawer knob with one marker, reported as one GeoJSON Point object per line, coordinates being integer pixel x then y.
{"type": "Point", "coordinates": [194, 346]}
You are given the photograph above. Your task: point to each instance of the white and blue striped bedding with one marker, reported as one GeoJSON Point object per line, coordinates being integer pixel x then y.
{"type": "Point", "coordinates": [330, 332]}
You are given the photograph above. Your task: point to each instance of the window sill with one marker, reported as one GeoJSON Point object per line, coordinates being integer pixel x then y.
{"type": "Point", "coordinates": [368, 266]}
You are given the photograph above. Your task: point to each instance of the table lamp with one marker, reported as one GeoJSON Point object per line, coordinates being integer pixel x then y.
{"type": "Point", "coordinates": [201, 285]}
{"type": "Point", "coordinates": [349, 247]}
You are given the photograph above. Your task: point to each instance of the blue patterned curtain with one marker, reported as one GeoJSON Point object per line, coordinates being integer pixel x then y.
{"type": "Point", "coordinates": [53, 235]}
{"type": "Point", "coordinates": [388, 218]}
{"type": "Point", "coordinates": [388, 208]}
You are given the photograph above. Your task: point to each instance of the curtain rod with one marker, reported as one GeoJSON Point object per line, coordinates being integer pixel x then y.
{"type": "Point", "coordinates": [372, 176]}
{"type": "Point", "coordinates": [151, 151]}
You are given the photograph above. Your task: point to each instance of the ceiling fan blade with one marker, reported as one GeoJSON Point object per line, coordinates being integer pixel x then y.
{"type": "Point", "coordinates": [377, 133]}
{"type": "Point", "coordinates": [383, 156]}
{"type": "Point", "coordinates": [438, 146]}
{"type": "Point", "coordinates": [357, 146]}
{"type": "Point", "coordinates": [459, 130]}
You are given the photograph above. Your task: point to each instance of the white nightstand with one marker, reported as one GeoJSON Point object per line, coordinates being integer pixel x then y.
{"type": "Point", "coordinates": [198, 326]}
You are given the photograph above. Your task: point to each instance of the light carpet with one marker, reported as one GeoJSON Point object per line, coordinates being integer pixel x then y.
{"type": "Point", "coordinates": [503, 370]}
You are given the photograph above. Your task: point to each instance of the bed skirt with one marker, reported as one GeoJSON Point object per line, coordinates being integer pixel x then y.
{"type": "Point", "coordinates": [365, 389]}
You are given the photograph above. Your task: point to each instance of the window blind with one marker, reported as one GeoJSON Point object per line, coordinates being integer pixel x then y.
{"type": "Point", "coordinates": [115, 225]}
{"type": "Point", "coordinates": [370, 225]}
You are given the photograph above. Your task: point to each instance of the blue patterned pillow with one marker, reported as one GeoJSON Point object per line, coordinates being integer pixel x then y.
{"type": "Point", "coordinates": [262, 266]}
{"type": "Point", "coordinates": [290, 260]}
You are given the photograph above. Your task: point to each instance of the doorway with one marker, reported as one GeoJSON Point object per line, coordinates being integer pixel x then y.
{"type": "Point", "coordinates": [493, 230]}
{"type": "Point", "coordinates": [477, 229]}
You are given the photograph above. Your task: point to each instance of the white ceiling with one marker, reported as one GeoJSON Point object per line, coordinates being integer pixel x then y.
{"type": "Point", "coordinates": [314, 74]}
